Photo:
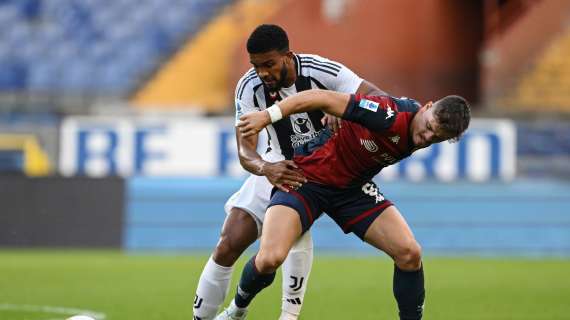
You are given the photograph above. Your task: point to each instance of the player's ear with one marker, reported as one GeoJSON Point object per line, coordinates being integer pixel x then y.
{"type": "Point", "coordinates": [428, 105]}
{"type": "Point", "coordinates": [289, 54]}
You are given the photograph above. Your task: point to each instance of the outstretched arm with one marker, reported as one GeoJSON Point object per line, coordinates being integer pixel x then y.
{"type": "Point", "coordinates": [331, 102]}
{"type": "Point", "coordinates": [365, 88]}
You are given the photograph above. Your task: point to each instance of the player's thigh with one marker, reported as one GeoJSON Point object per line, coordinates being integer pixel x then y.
{"type": "Point", "coordinates": [390, 233]}
{"type": "Point", "coordinates": [281, 228]}
{"type": "Point", "coordinates": [240, 227]}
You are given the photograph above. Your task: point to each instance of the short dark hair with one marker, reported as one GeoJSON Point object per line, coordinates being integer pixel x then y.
{"type": "Point", "coordinates": [267, 37]}
{"type": "Point", "coordinates": [453, 114]}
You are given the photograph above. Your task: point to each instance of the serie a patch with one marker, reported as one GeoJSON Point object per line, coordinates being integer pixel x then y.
{"type": "Point", "coordinates": [369, 105]}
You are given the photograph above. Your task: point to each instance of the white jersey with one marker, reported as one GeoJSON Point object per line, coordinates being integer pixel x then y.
{"type": "Point", "coordinates": [313, 72]}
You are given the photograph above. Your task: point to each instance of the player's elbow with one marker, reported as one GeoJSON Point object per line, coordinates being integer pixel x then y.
{"type": "Point", "coordinates": [246, 157]}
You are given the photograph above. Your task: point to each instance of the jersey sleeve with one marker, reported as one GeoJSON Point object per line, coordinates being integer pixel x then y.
{"type": "Point", "coordinates": [338, 78]}
{"type": "Point", "coordinates": [376, 113]}
{"type": "Point", "coordinates": [243, 100]}
{"type": "Point", "coordinates": [346, 81]}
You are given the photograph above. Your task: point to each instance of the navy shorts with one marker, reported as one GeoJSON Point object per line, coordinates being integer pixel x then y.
{"type": "Point", "coordinates": [353, 209]}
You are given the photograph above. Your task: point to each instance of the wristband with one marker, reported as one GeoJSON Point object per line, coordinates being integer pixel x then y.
{"type": "Point", "coordinates": [274, 113]}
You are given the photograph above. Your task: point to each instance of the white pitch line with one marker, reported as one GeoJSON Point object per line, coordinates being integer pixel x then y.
{"type": "Point", "coordinates": [52, 309]}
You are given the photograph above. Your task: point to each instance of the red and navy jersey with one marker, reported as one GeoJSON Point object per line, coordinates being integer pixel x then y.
{"type": "Point", "coordinates": [374, 134]}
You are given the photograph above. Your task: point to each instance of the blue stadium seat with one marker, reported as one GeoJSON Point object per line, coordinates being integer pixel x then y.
{"type": "Point", "coordinates": [92, 46]}
{"type": "Point", "coordinates": [11, 161]}
{"type": "Point", "coordinates": [14, 75]}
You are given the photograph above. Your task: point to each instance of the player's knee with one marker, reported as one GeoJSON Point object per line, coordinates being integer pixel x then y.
{"type": "Point", "coordinates": [270, 261]}
{"type": "Point", "coordinates": [238, 233]}
{"type": "Point", "coordinates": [227, 251]}
{"type": "Point", "coordinates": [409, 257]}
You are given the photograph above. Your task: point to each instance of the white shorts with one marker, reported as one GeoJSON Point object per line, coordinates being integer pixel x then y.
{"type": "Point", "coordinates": [253, 197]}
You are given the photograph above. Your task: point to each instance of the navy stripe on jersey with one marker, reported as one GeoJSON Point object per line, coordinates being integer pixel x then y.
{"type": "Point", "coordinates": [329, 64]}
{"type": "Point", "coordinates": [248, 74]}
{"type": "Point", "coordinates": [283, 128]}
{"type": "Point", "coordinates": [304, 83]}
{"type": "Point", "coordinates": [318, 83]}
{"type": "Point", "coordinates": [332, 73]}
{"type": "Point", "coordinates": [320, 65]}
{"type": "Point", "coordinates": [255, 102]}
{"type": "Point", "coordinates": [315, 65]}
{"type": "Point", "coordinates": [245, 81]}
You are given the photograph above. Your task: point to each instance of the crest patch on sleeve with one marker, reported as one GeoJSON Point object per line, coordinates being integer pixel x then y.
{"type": "Point", "coordinates": [368, 105]}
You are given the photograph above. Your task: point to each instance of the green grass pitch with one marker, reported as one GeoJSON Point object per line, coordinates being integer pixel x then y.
{"type": "Point", "coordinates": [42, 285]}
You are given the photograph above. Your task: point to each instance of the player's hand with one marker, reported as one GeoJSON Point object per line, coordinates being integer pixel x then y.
{"type": "Point", "coordinates": [332, 122]}
{"type": "Point", "coordinates": [284, 173]}
{"type": "Point", "coordinates": [252, 123]}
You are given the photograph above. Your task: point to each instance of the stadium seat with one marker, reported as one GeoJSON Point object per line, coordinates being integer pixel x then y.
{"type": "Point", "coordinates": [88, 46]}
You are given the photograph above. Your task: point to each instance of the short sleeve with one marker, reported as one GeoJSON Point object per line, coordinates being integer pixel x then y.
{"type": "Point", "coordinates": [330, 74]}
{"type": "Point", "coordinates": [346, 81]}
{"type": "Point", "coordinates": [376, 113]}
{"type": "Point", "coordinates": [242, 108]}
{"type": "Point", "coordinates": [244, 95]}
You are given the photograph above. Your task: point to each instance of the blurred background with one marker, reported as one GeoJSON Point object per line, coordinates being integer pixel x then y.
{"type": "Point", "coordinates": [116, 123]}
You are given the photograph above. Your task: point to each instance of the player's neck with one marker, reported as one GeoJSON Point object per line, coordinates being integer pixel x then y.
{"type": "Point", "coordinates": [290, 79]}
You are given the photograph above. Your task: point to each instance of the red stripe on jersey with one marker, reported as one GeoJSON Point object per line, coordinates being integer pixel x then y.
{"type": "Point", "coordinates": [365, 214]}
{"type": "Point", "coordinates": [305, 204]}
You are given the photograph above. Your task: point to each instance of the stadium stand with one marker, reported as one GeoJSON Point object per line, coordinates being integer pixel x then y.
{"type": "Point", "coordinates": [523, 67]}
{"type": "Point", "coordinates": [91, 47]}
{"type": "Point", "coordinates": [546, 84]}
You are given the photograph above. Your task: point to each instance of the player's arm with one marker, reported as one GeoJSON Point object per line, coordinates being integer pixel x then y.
{"type": "Point", "coordinates": [373, 112]}
{"type": "Point", "coordinates": [365, 89]}
{"type": "Point", "coordinates": [279, 173]}
{"type": "Point", "coordinates": [331, 102]}
{"type": "Point", "coordinates": [369, 89]}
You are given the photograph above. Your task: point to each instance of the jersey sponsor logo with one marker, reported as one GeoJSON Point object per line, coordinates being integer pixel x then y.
{"type": "Point", "coordinates": [299, 140]}
{"type": "Point", "coordinates": [395, 139]}
{"type": "Point", "coordinates": [369, 105]}
{"type": "Point", "coordinates": [303, 129]}
{"type": "Point", "coordinates": [369, 145]}
{"type": "Point", "coordinates": [389, 112]}
{"type": "Point", "coordinates": [371, 189]}
{"type": "Point", "coordinates": [302, 125]}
